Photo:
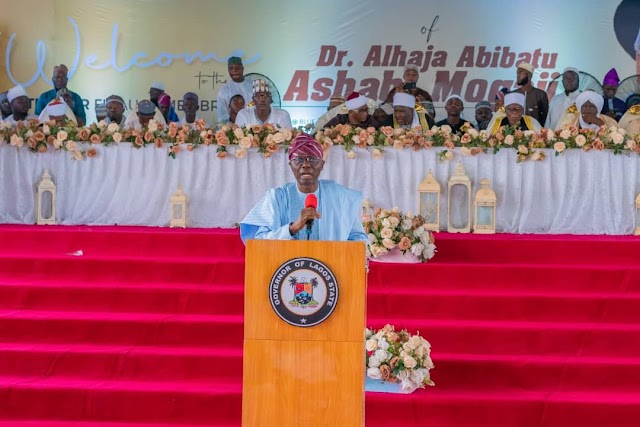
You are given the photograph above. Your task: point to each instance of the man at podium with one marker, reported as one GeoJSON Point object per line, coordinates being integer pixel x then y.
{"type": "Point", "coordinates": [308, 209]}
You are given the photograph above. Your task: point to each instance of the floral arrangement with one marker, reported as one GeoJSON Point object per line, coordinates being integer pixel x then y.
{"type": "Point", "coordinates": [398, 357]}
{"type": "Point", "coordinates": [81, 142]}
{"type": "Point", "coordinates": [391, 229]}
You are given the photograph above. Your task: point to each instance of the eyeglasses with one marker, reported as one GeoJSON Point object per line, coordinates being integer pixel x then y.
{"type": "Point", "coordinates": [299, 161]}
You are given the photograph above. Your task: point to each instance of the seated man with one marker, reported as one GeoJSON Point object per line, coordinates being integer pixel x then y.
{"type": "Point", "coordinates": [164, 105]}
{"type": "Point", "coordinates": [20, 103]}
{"type": "Point", "coordinates": [58, 111]}
{"type": "Point", "coordinates": [405, 114]}
{"type": "Point", "coordinates": [281, 214]}
{"type": "Point", "coordinates": [483, 114]}
{"type": "Point", "coordinates": [357, 113]}
{"type": "Point", "coordinates": [613, 107]}
{"type": "Point", "coordinates": [513, 116]}
{"type": "Point", "coordinates": [190, 105]}
{"type": "Point", "coordinates": [5, 105]}
{"type": "Point", "coordinates": [454, 107]}
{"type": "Point", "coordinates": [630, 121]}
{"type": "Point", "coordinates": [155, 91]}
{"type": "Point", "coordinates": [145, 111]}
{"type": "Point", "coordinates": [262, 112]}
{"type": "Point", "coordinates": [235, 105]}
{"type": "Point", "coordinates": [60, 80]}
{"type": "Point", "coordinates": [586, 114]}
{"type": "Point", "coordinates": [115, 110]}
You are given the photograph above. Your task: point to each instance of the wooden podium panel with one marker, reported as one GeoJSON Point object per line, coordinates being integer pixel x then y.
{"type": "Point", "coordinates": [304, 376]}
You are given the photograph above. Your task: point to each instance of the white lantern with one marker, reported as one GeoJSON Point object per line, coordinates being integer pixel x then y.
{"type": "Point", "coordinates": [636, 231]}
{"type": "Point", "coordinates": [459, 183]}
{"type": "Point", "coordinates": [484, 204]}
{"type": "Point", "coordinates": [178, 209]}
{"type": "Point", "coordinates": [429, 202]}
{"type": "Point", "coordinates": [46, 201]}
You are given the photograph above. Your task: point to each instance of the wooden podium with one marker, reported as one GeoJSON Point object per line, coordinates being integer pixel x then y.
{"type": "Point", "coordinates": [304, 375]}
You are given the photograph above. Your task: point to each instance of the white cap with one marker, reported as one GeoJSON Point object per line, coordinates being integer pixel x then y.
{"type": "Point", "coordinates": [575, 70]}
{"type": "Point", "coordinates": [158, 85]}
{"type": "Point", "coordinates": [57, 107]}
{"type": "Point", "coordinates": [514, 98]}
{"type": "Point", "coordinates": [401, 99]}
{"type": "Point", "coordinates": [16, 92]}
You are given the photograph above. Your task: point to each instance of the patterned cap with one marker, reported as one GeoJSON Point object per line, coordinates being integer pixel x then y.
{"type": "Point", "coordinates": [261, 86]}
{"type": "Point", "coordinates": [305, 144]}
{"type": "Point", "coordinates": [146, 108]}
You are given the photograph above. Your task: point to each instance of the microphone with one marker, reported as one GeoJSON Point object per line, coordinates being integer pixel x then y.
{"type": "Point", "coordinates": [310, 202]}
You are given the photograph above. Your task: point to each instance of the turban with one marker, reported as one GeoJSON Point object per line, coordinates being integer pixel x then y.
{"type": "Point", "coordinates": [261, 86]}
{"type": "Point", "coordinates": [305, 144]}
{"type": "Point", "coordinates": [454, 97]}
{"type": "Point", "coordinates": [16, 92]}
{"type": "Point", "coordinates": [355, 101]}
{"type": "Point", "coordinates": [157, 85]}
{"type": "Point", "coordinates": [514, 98]}
{"type": "Point", "coordinates": [117, 99]}
{"type": "Point", "coordinates": [592, 97]}
{"type": "Point", "coordinates": [483, 104]}
{"type": "Point", "coordinates": [611, 78]}
{"type": "Point", "coordinates": [164, 100]}
{"type": "Point", "coordinates": [57, 107]}
{"type": "Point", "coordinates": [146, 108]}
{"type": "Point", "coordinates": [402, 99]}
{"type": "Point", "coordinates": [234, 60]}
{"type": "Point", "coordinates": [527, 67]}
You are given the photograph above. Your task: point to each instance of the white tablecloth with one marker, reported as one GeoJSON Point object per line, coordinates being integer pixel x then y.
{"type": "Point", "coordinates": [577, 192]}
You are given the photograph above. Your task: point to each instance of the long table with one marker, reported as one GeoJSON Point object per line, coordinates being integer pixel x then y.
{"type": "Point", "coordinates": [577, 192]}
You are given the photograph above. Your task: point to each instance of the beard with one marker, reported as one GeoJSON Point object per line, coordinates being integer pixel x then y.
{"type": "Point", "coordinates": [524, 81]}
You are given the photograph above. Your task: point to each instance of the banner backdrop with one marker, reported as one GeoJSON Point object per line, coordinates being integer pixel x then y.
{"type": "Point", "coordinates": [310, 50]}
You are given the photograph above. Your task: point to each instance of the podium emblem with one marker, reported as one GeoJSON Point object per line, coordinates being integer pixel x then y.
{"type": "Point", "coordinates": [303, 292]}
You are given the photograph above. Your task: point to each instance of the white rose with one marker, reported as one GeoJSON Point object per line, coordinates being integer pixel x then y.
{"type": "Point", "coordinates": [472, 133]}
{"type": "Point", "coordinates": [395, 209]}
{"type": "Point", "coordinates": [386, 233]}
{"type": "Point", "coordinates": [383, 344]}
{"type": "Point", "coordinates": [394, 221]}
{"type": "Point", "coordinates": [565, 134]}
{"type": "Point", "coordinates": [203, 134]}
{"type": "Point", "coordinates": [408, 347]}
{"type": "Point", "coordinates": [117, 137]}
{"type": "Point", "coordinates": [57, 144]}
{"type": "Point", "coordinates": [374, 373]}
{"type": "Point", "coordinates": [559, 146]}
{"type": "Point", "coordinates": [484, 135]}
{"type": "Point", "coordinates": [429, 251]}
{"type": "Point", "coordinates": [381, 354]}
{"type": "Point", "coordinates": [77, 155]}
{"type": "Point", "coordinates": [46, 129]}
{"type": "Point", "coordinates": [409, 362]}
{"type": "Point", "coordinates": [62, 135]}
{"type": "Point", "coordinates": [29, 133]}
{"type": "Point", "coordinates": [406, 224]}
{"type": "Point", "coordinates": [550, 135]}
{"type": "Point", "coordinates": [417, 249]}
{"type": "Point", "coordinates": [508, 140]}
{"type": "Point", "coordinates": [372, 238]}
{"type": "Point", "coordinates": [416, 341]}
{"type": "Point", "coordinates": [374, 362]}
{"type": "Point", "coordinates": [240, 153]}
{"type": "Point", "coordinates": [245, 142]}
{"type": "Point", "coordinates": [408, 385]}
{"type": "Point", "coordinates": [388, 243]}
{"type": "Point", "coordinates": [617, 138]}
{"type": "Point", "coordinates": [351, 155]}
{"type": "Point", "coordinates": [72, 146]}
{"type": "Point", "coordinates": [523, 149]}
{"type": "Point", "coordinates": [153, 125]}
{"type": "Point", "coordinates": [537, 155]}
{"type": "Point", "coordinates": [19, 142]}
{"type": "Point", "coordinates": [386, 223]}
{"type": "Point", "coordinates": [409, 214]}
{"type": "Point", "coordinates": [528, 133]}
{"type": "Point", "coordinates": [425, 238]}
{"type": "Point", "coordinates": [113, 128]}
{"type": "Point", "coordinates": [448, 155]}
{"type": "Point", "coordinates": [581, 140]}
{"type": "Point", "coordinates": [377, 250]}
{"type": "Point", "coordinates": [421, 351]}
{"type": "Point", "coordinates": [238, 133]}
{"type": "Point", "coordinates": [403, 375]}
{"type": "Point", "coordinates": [371, 345]}
{"type": "Point", "coordinates": [631, 144]}
{"type": "Point", "coordinates": [417, 377]}
{"type": "Point", "coordinates": [376, 153]}
{"type": "Point", "coordinates": [446, 129]}
{"type": "Point", "coordinates": [101, 124]}
{"type": "Point", "coordinates": [419, 231]}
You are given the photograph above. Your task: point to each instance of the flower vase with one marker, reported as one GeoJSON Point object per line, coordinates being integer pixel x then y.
{"type": "Point", "coordinates": [380, 386]}
{"type": "Point", "coordinates": [395, 255]}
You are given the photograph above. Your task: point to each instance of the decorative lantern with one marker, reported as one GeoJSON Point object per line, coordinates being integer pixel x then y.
{"type": "Point", "coordinates": [46, 201]}
{"type": "Point", "coordinates": [636, 231]}
{"type": "Point", "coordinates": [484, 204]}
{"type": "Point", "coordinates": [459, 182]}
{"type": "Point", "coordinates": [429, 202]}
{"type": "Point", "coordinates": [178, 209]}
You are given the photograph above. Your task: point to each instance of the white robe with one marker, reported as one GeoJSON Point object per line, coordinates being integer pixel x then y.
{"type": "Point", "coordinates": [558, 106]}
{"type": "Point", "coordinates": [11, 122]}
{"type": "Point", "coordinates": [278, 117]}
{"type": "Point", "coordinates": [183, 121]}
{"type": "Point", "coordinates": [228, 91]}
{"type": "Point", "coordinates": [133, 121]}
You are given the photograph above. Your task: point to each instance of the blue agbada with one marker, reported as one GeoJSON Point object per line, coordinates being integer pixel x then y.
{"type": "Point", "coordinates": [339, 208]}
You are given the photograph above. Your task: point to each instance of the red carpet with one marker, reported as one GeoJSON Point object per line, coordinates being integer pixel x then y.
{"type": "Point", "coordinates": [145, 329]}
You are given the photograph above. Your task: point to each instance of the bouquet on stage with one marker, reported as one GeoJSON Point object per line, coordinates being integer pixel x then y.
{"type": "Point", "coordinates": [397, 237]}
{"type": "Point", "coordinates": [397, 361]}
